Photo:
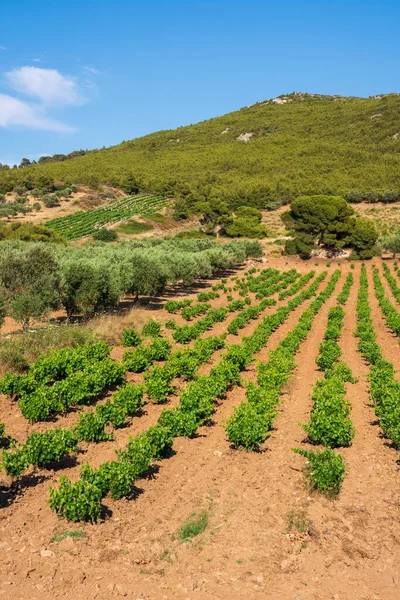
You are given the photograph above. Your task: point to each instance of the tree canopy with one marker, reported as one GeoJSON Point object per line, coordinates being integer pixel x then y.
{"type": "Point", "coordinates": [391, 243]}
{"type": "Point", "coordinates": [328, 222]}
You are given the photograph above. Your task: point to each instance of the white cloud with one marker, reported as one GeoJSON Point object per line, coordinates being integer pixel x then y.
{"type": "Point", "coordinates": [50, 86]}
{"type": "Point", "coordinates": [36, 59]}
{"type": "Point", "coordinates": [90, 69]}
{"type": "Point", "coordinates": [16, 112]}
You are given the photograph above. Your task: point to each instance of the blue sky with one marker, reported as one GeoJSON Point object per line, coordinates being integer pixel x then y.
{"type": "Point", "coordinates": [85, 74]}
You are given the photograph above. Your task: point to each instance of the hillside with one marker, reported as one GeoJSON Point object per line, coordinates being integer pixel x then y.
{"type": "Point", "coordinates": [265, 153]}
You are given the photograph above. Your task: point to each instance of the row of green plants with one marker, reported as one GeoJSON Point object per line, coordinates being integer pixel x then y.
{"type": "Point", "coordinates": [267, 284]}
{"type": "Point", "coordinates": [173, 306]}
{"type": "Point", "coordinates": [45, 449]}
{"type": "Point", "coordinates": [274, 284]}
{"type": "Point", "coordinates": [384, 387]}
{"type": "Point", "coordinates": [249, 282]}
{"type": "Point", "coordinates": [63, 379]}
{"type": "Point", "coordinates": [139, 359]}
{"type": "Point", "coordinates": [194, 310]}
{"type": "Point", "coordinates": [82, 500]}
{"type": "Point", "coordinates": [54, 366]}
{"type": "Point", "coordinates": [79, 389]}
{"type": "Point", "coordinates": [252, 420]}
{"type": "Point", "coordinates": [182, 363]}
{"type": "Point", "coordinates": [296, 286]}
{"type": "Point", "coordinates": [277, 282]}
{"type": "Point", "coordinates": [392, 317]}
{"type": "Point", "coordinates": [48, 448]}
{"type": "Point", "coordinates": [187, 308]}
{"type": "Point", "coordinates": [185, 333]}
{"type": "Point", "coordinates": [85, 223]}
{"type": "Point", "coordinates": [330, 424]}
{"type": "Point", "coordinates": [345, 293]}
{"type": "Point", "coordinates": [206, 296]}
{"type": "Point", "coordinates": [247, 315]}
{"type": "Point", "coordinates": [392, 281]}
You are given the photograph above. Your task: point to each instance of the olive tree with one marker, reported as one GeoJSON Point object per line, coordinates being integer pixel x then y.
{"type": "Point", "coordinates": [391, 243]}
{"type": "Point", "coordinates": [31, 283]}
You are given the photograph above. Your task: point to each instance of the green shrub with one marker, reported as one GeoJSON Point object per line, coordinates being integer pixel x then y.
{"type": "Point", "coordinates": [324, 470]}
{"type": "Point", "coordinates": [159, 349]}
{"type": "Point", "coordinates": [137, 360]}
{"type": "Point", "coordinates": [179, 422]}
{"type": "Point", "coordinates": [80, 501]}
{"type": "Point", "coordinates": [248, 427]}
{"type": "Point", "coordinates": [105, 235]}
{"type": "Point", "coordinates": [151, 329]}
{"type": "Point", "coordinates": [130, 337]}
{"type": "Point", "coordinates": [329, 353]}
{"type": "Point", "coordinates": [42, 449]}
{"type": "Point", "coordinates": [50, 200]}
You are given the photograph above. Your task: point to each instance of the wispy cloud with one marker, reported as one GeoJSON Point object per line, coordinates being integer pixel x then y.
{"type": "Point", "coordinates": [16, 112]}
{"type": "Point", "coordinates": [36, 59]}
{"type": "Point", "coordinates": [49, 85]}
{"type": "Point", "coordinates": [37, 93]}
{"type": "Point", "coordinates": [90, 69]}
{"type": "Point", "coordinates": [3, 48]}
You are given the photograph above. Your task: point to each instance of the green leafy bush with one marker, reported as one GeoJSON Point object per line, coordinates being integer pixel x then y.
{"type": "Point", "coordinates": [105, 235]}
{"type": "Point", "coordinates": [329, 354]}
{"type": "Point", "coordinates": [130, 337]}
{"type": "Point", "coordinates": [324, 470]}
{"type": "Point", "coordinates": [80, 501]}
{"type": "Point", "coordinates": [249, 426]}
{"type": "Point", "coordinates": [151, 329]}
{"type": "Point", "coordinates": [330, 422]}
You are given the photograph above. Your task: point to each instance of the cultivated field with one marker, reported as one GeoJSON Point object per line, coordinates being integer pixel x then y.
{"type": "Point", "coordinates": [162, 420]}
{"type": "Point", "coordinates": [81, 224]}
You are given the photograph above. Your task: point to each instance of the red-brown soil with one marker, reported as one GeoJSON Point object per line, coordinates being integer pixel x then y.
{"type": "Point", "coordinates": [348, 551]}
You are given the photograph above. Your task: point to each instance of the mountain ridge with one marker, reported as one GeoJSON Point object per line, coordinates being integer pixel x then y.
{"type": "Point", "coordinates": [268, 152]}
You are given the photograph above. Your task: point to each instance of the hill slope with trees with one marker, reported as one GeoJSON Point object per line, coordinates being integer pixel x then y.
{"type": "Point", "coordinates": [262, 155]}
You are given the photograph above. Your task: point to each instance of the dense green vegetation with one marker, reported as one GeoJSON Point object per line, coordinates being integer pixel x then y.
{"type": "Point", "coordinates": [29, 232]}
{"type": "Point", "coordinates": [133, 227]}
{"type": "Point", "coordinates": [328, 222]}
{"type": "Point", "coordinates": [308, 145]}
{"type": "Point", "coordinates": [391, 243]}
{"type": "Point", "coordinates": [324, 470]}
{"type": "Point", "coordinates": [37, 278]}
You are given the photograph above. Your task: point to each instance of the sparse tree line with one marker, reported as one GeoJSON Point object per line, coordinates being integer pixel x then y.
{"type": "Point", "coordinates": [48, 193]}
{"type": "Point", "coordinates": [25, 162]}
{"type": "Point", "coordinates": [37, 278]}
